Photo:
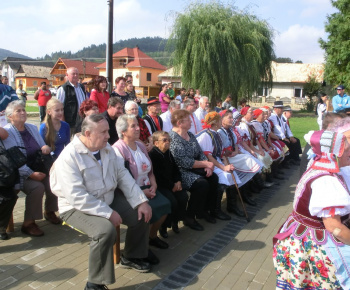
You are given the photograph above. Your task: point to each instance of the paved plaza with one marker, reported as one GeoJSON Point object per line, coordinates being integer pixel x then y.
{"type": "Point", "coordinates": [227, 255]}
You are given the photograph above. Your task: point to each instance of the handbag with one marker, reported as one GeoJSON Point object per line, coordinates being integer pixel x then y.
{"type": "Point", "coordinates": [42, 162]}
{"type": "Point", "coordinates": [10, 160]}
{"type": "Point", "coordinates": [199, 171]}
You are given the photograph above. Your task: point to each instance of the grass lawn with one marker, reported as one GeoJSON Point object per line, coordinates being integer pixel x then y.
{"type": "Point", "coordinates": [301, 125]}
{"type": "Point", "coordinates": [32, 106]}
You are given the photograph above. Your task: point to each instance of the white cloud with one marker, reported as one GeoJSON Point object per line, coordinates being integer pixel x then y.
{"type": "Point", "coordinates": [300, 43]}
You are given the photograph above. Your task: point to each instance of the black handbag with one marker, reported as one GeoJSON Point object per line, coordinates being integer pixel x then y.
{"type": "Point", "coordinates": [42, 162]}
{"type": "Point", "coordinates": [10, 160]}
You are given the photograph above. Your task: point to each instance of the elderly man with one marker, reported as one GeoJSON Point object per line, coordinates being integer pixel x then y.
{"type": "Point", "coordinates": [114, 110]}
{"type": "Point", "coordinates": [71, 94]}
{"type": "Point", "coordinates": [85, 177]}
{"type": "Point", "coordinates": [196, 125]}
{"type": "Point", "coordinates": [202, 109]}
{"type": "Point", "coordinates": [166, 117]}
{"type": "Point", "coordinates": [153, 121]}
{"type": "Point", "coordinates": [283, 132]}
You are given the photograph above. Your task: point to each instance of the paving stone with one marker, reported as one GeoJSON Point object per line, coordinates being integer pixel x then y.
{"type": "Point", "coordinates": [5, 283]}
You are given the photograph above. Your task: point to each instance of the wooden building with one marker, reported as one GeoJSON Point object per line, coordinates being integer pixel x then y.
{"type": "Point", "coordinates": [31, 76]}
{"type": "Point", "coordinates": [87, 70]}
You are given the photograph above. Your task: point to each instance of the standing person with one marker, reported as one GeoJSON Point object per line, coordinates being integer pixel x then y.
{"type": "Point", "coordinates": [43, 95]}
{"type": "Point", "coordinates": [98, 199]}
{"type": "Point", "coordinates": [218, 107]}
{"type": "Point", "coordinates": [119, 91]}
{"type": "Point", "coordinates": [227, 103]}
{"type": "Point", "coordinates": [153, 121]}
{"type": "Point", "coordinates": [182, 95]}
{"type": "Point", "coordinates": [170, 91]}
{"type": "Point", "coordinates": [54, 131]}
{"type": "Point", "coordinates": [341, 101]}
{"type": "Point", "coordinates": [164, 98]}
{"type": "Point", "coordinates": [196, 125]}
{"type": "Point", "coordinates": [166, 117]}
{"type": "Point", "coordinates": [197, 95]}
{"type": "Point", "coordinates": [5, 80]}
{"type": "Point", "coordinates": [71, 95]}
{"type": "Point", "coordinates": [99, 93]}
{"type": "Point", "coordinates": [22, 95]}
{"type": "Point", "coordinates": [322, 108]}
{"type": "Point", "coordinates": [202, 110]}
{"type": "Point", "coordinates": [114, 111]}
{"type": "Point", "coordinates": [311, 249]}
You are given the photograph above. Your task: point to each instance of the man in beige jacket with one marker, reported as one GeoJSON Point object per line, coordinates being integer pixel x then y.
{"type": "Point", "coordinates": [86, 178]}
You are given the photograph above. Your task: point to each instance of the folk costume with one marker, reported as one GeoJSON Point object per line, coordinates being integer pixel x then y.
{"type": "Point", "coordinates": [306, 255]}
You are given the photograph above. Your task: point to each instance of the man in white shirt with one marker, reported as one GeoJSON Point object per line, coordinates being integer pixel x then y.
{"type": "Point", "coordinates": [71, 94]}
{"type": "Point", "coordinates": [166, 117]}
{"type": "Point", "coordinates": [202, 109]}
{"type": "Point", "coordinates": [196, 125]}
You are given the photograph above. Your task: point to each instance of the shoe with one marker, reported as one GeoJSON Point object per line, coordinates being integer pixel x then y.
{"type": "Point", "coordinates": [158, 243]}
{"type": "Point", "coordinates": [220, 215]}
{"type": "Point", "coordinates": [137, 264]}
{"type": "Point", "coordinates": [268, 184]}
{"type": "Point", "coordinates": [235, 210]}
{"type": "Point", "coordinates": [278, 176]}
{"type": "Point", "coordinates": [92, 286]}
{"type": "Point", "coordinates": [286, 166]}
{"type": "Point", "coordinates": [193, 224]}
{"type": "Point", "coordinates": [209, 218]}
{"type": "Point", "coordinates": [175, 228]}
{"type": "Point", "coordinates": [52, 218]}
{"type": "Point", "coordinates": [4, 236]}
{"type": "Point", "coordinates": [163, 232]}
{"type": "Point", "coordinates": [32, 230]}
{"type": "Point", "coordinates": [151, 258]}
{"type": "Point", "coordinates": [248, 200]}
{"type": "Point", "coordinates": [294, 162]}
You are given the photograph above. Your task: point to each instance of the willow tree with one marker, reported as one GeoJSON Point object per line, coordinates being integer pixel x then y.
{"type": "Point", "coordinates": [221, 50]}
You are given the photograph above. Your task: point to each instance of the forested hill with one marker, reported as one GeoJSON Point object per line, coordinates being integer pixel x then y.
{"type": "Point", "coordinates": [6, 53]}
{"type": "Point", "coordinates": [153, 46]}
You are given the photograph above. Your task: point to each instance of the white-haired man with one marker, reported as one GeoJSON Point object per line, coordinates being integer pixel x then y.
{"type": "Point", "coordinates": [202, 109]}
{"type": "Point", "coordinates": [166, 117]}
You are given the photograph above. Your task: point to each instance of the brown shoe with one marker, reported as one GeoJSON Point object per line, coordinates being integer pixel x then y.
{"type": "Point", "coordinates": [32, 230]}
{"type": "Point", "coordinates": [52, 218]}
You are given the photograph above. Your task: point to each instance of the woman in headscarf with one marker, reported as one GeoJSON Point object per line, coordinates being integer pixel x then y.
{"type": "Point", "coordinates": [311, 250]}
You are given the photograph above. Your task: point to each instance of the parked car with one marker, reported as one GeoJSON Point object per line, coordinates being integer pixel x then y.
{"type": "Point", "coordinates": [53, 91]}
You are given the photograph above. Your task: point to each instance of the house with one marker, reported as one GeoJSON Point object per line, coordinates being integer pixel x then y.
{"type": "Point", "coordinates": [11, 65]}
{"type": "Point", "coordinates": [289, 79]}
{"type": "Point", "coordinates": [87, 70]}
{"type": "Point", "coordinates": [31, 76]}
{"type": "Point", "coordinates": [169, 76]}
{"type": "Point", "coordinates": [143, 68]}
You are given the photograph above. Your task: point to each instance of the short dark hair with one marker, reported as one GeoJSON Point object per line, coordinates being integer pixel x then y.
{"type": "Point", "coordinates": [97, 81]}
{"type": "Point", "coordinates": [43, 83]}
{"type": "Point", "coordinates": [242, 101]}
{"type": "Point", "coordinates": [113, 101]}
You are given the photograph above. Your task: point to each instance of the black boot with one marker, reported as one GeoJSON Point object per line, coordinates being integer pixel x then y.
{"type": "Point", "coordinates": [231, 197]}
{"type": "Point", "coordinates": [258, 180]}
{"type": "Point", "coordinates": [245, 196]}
{"type": "Point", "coordinates": [217, 212]}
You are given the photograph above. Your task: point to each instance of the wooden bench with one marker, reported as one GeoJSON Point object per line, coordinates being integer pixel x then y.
{"type": "Point", "coordinates": [116, 246]}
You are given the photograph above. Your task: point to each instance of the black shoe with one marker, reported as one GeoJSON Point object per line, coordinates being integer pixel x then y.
{"type": "Point", "coordinates": [137, 264]}
{"type": "Point", "coordinates": [220, 215]}
{"type": "Point", "coordinates": [163, 232]}
{"type": "Point", "coordinates": [268, 184]}
{"type": "Point", "coordinates": [248, 200]}
{"type": "Point", "coordinates": [175, 228]}
{"type": "Point", "coordinates": [209, 218]}
{"type": "Point", "coordinates": [278, 176]}
{"type": "Point", "coordinates": [193, 224]}
{"type": "Point", "coordinates": [151, 258]}
{"type": "Point", "coordinates": [236, 211]}
{"type": "Point", "coordinates": [4, 236]}
{"type": "Point", "coordinates": [158, 243]}
{"type": "Point", "coordinates": [92, 286]}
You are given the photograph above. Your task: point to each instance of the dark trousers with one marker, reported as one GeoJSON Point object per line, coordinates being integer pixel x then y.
{"type": "Point", "coordinates": [6, 208]}
{"type": "Point", "coordinates": [294, 150]}
{"type": "Point", "coordinates": [178, 201]}
{"type": "Point", "coordinates": [42, 113]}
{"type": "Point", "coordinates": [203, 195]}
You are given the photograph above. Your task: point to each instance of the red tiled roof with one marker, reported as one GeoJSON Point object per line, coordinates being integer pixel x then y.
{"type": "Point", "coordinates": [90, 67]}
{"type": "Point", "coordinates": [140, 59]}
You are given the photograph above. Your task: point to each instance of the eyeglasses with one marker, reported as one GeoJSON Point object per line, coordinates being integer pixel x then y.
{"type": "Point", "coordinates": [165, 140]}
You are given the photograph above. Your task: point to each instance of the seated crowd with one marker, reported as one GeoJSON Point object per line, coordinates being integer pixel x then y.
{"type": "Point", "coordinates": [148, 173]}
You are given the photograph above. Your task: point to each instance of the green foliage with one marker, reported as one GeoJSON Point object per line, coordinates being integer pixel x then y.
{"type": "Point", "coordinates": [311, 89]}
{"type": "Point", "coordinates": [283, 60]}
{"type": "Point", "coordinates": [337, 53]}
{"type": "Point", "coordinates": [221, 50]}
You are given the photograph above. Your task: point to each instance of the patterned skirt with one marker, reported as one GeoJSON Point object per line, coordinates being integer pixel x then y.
{"type": "Point", "coordinates": [303, 264]}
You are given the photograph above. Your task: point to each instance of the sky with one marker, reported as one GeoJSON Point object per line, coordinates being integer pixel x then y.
{"type": "Point", "coordinates": [38, 27]}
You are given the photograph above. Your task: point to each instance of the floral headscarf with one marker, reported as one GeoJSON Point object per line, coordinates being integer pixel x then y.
{"type": "Point", "coordinates": [326, 147]}
{"type": "Point", "coordinates": [210, 118]}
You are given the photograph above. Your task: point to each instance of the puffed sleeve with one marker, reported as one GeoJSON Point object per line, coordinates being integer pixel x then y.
{"type": "Point", "coordinates": [206, 144]}
{"type": "Point", "coordinates": [329, 197]}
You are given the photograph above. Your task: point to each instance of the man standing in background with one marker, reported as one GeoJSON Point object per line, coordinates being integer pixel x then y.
{"type": "Point", "coordinates": [43, 95]}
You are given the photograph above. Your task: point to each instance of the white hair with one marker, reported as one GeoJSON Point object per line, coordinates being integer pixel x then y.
{"type": "Point", "coordinates": [122, 124]}
{"type": "Point", "coordinates": [12, 106]}
{"type": "Point", "coordinates": [201, 100]}
{"type": "Point", "coordinates": [129, 104]}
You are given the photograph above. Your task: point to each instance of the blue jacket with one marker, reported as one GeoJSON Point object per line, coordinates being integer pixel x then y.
{"type": "Point", "coordinates": [343, 101]}
{"type": "Point", "coordinates": [7, 95]}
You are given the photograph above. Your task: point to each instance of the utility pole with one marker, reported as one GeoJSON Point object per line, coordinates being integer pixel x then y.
{"type": "Point", "coordinates": [109, 46]}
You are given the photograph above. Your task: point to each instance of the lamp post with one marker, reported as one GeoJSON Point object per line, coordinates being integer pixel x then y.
{"type": "Point", "coordinates": [109, 46]}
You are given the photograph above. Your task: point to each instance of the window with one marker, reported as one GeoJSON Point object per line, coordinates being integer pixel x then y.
{"type": "Point", "coordinates": [149, 77]}
{"type": "Point", "coordinates": [122, 62]}
{"type": "Point", "coordinates": [35, 83]}
{"type": "Point", "coordinates": [298, 92]}
{"type": "Point", "coordinates": [263, 92]}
